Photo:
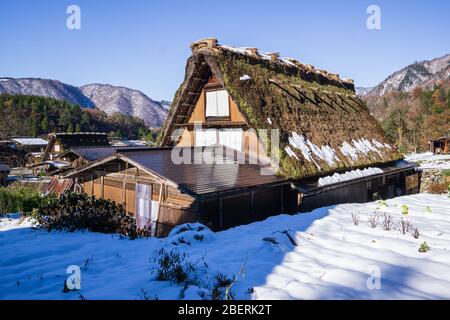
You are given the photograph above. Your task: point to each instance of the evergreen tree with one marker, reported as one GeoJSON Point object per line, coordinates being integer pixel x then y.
{"type": "Point", "coordinates": [45, 124]}
{"type": "Point", "coordinates": [70, 128]}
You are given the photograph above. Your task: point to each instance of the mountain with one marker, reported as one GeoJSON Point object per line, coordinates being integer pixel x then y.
{"type": "Point", "coordinates": [113, 99]}
{"type": "Point", "coordinates": [45, 88]}
{"type": "Point", "coordinates": [108, 98]}
{"type": "Point", "coordinates": [413, 104]}
{"type": "Point", "coordinates": [423, 74]}
{"type": "Point", "coordinates": [362, 91]}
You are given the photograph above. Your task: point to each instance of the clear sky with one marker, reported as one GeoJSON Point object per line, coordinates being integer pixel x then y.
{"type": "Point", "coordinates": [144, 44]}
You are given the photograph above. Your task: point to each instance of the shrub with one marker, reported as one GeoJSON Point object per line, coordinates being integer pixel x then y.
{"type": "Point", "coordinates": [19, 198]}
{"type": "Point", "coordinates": [175, 268]}
{"type": "Point", "coordinates": [221, 288]}
{"type": "Point", "coordinates": [405, 209]}
{"type": "Point", "coordinates": [355, 218]}
{"type": "Point", "coordinates": [78, 211]}
{"type": "Point", "coordinates": [424, 247]}
{"type": "Point", "coordinates": [416, 233]}
{"type": "Point", "coordinates": [404, 226]}
{"type": "Point", "coordinates": [373, 219]}
{"type": "Point", "coordinates": [388, 222]}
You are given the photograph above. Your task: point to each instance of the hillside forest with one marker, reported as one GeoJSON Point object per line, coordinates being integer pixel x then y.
{"type": "Point", "coordinates": [34, 116]}
{"type": "Point", "coordinates": [411, 119]}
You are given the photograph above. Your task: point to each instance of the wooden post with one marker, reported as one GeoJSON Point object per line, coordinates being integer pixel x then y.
{"type": "Point", "coordinates": [160, 198]}
{"type": "Point", "coordinates": [124, 192]}
{"type": "Point", "coordinates": [92, 184]}
{"type": "Point", "coordinates": [102, 183]}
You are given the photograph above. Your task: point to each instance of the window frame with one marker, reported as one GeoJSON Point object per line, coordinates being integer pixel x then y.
{"type": "Point", "coordinates": [214, 88]}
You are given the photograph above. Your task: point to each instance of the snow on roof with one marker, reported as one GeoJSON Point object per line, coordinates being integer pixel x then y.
{"type": "Point", "coordinates": [349, 175]}
{"type": "Point", "coordinates": [31, 141]}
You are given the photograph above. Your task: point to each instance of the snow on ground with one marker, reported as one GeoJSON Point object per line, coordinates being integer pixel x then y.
{"type": "Point", "coordinates": [332, 258]}
{"type": "Point", "coordinates": [428, 160]}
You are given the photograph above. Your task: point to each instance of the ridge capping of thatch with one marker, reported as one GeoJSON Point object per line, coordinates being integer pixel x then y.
{"type": "Point", "coordinates": [212, 46]}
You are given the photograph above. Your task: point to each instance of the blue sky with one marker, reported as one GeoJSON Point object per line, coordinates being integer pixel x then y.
{"type": "Point", "coordinates": [144, 44]}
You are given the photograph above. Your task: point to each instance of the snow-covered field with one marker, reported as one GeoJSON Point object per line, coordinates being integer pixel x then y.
{"type": "Point", "coordinates": [428, 160]}
{"type": "Point", "coordinates": [332, 258]}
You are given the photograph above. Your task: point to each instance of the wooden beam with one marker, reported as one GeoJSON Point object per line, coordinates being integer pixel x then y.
{"type": "Point", "coordinates": [92, 184]}
{"type": "Point", "coordinates": [102, 183]}
{"type": "Point", "coordinates": [124, 191]}
{"type": "Point", "coordinates": [159, 207]}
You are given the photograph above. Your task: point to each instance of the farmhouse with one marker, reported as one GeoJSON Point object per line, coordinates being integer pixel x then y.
{"type": "Point", "coordinates": [161, 192]}
{"type": "Point", "coordinates": [61, 142]}
{"type": "Point", "coordinates": [258, 135]}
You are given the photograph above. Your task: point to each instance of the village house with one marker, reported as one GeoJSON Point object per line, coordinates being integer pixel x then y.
{"type": "Point", "coordinates": [31, 145]}
{"type": "Point", "coordinates": [440, 145]}
{"type": "Point", "coordinates": [61, 142]}
{"type": "Point", "coordinates": [330, 149]}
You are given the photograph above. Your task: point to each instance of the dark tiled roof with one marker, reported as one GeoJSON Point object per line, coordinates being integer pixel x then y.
{"type": "Point", "coordinates": [224, 174]}
{"type": "Point", "coordinates": [96, 153]}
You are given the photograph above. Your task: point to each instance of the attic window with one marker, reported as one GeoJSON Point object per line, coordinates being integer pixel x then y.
{"type": "Point", "coordinates": [217, 104]}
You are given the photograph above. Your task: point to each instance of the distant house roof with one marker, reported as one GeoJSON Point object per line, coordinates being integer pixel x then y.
{"type": "Point", "coordinates": [129, 143]}
{"type": "Point", "coordinates": [4, 167]}
{"type": "Point", "coordinates": [82, 139]}
{"type": "Point", "coordinates": [224, 172]}
{"type": "Point", "coordinates": [324, 127]}
{"type": "Point", "coordinates": [69, 140]}
{"type": "Point", "coordinates": [93, 153]}
{"type": "Point", "coordinates": [31, 141]}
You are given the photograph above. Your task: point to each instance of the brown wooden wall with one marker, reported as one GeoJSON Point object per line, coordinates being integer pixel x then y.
{"type": "Point", "coordinates": [175, 208]}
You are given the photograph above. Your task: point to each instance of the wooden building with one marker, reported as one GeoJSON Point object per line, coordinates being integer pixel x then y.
{"type": "Point", "coordinates": [61, 142]}
{"type": "Point", "coordinates": [230, 96]}
{"type": "Point", "coordinates": [440, 145]}
{"type": "Point", "coordinates": [161, 192]}
{"type": "Point", "coordinates": [31, 145]}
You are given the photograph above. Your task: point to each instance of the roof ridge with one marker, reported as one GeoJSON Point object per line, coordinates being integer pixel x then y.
{"type": "Point", "coordinates": [212, 44]}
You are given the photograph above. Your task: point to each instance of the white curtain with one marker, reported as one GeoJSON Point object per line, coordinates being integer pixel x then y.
{"type": "Point", "coordinates": [231, 138]}
{"type": "Point", "coordinates": [143, 200]}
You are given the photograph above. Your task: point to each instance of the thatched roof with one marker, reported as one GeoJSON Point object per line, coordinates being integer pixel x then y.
{"type": "Point", "coordinates": [324, 126]}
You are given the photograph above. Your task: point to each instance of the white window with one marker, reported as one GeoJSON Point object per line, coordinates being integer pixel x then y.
{"type": "Point", "coordinates": [231, 138]}
{"type": "Point", "coordinates": [217, 104]}
{"type": "Point", "coordinates": [205, 137]}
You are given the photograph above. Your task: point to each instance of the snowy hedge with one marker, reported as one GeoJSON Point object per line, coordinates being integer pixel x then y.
{"type": "Point", "coordinates": [78, 211]}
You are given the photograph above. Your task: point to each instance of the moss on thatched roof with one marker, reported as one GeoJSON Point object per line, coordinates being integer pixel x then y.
{"type": "Point", "coordinates": [324, 126]}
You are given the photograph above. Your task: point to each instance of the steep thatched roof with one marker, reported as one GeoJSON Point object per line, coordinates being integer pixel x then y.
{"type": "Point", "coordinates": [324, 126]}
